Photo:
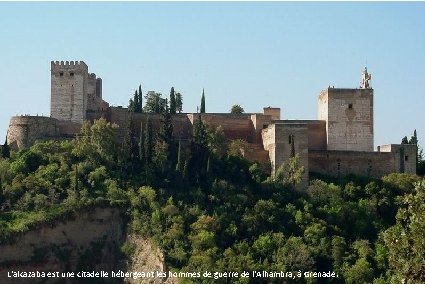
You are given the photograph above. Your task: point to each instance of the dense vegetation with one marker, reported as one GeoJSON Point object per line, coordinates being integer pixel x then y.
{"type": "Point", "coordinates": [209, 209]}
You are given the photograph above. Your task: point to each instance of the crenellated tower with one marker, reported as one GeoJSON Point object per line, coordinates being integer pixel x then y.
{"type": "Point", "coordinates": [69, 90]}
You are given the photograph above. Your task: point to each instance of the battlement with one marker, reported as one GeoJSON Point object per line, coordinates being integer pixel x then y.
{"type": "Point", "coordinates": [68, 65]}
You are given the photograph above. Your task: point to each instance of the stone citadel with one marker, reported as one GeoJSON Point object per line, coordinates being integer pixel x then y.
{"type": "Point", "coordinates": [338, 143]}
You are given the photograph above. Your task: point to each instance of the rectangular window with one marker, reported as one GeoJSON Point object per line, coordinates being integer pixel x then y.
{"type": "Point", "coordinates": [72, 73]}
{"type": "Point", "coordinates": [61, 74]}
{"type": "Point", "coordinates": [406, 158]}
{"type": "Point", "coordinates": [350, 106]}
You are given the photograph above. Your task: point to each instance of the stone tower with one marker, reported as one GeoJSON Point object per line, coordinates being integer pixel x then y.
{"type": "Point", "coordinates": [69, 87]}
{"type": "Point", "coordinates": [349, 117]}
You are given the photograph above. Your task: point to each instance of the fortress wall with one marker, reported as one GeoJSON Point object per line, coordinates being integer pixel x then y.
{"type": "Point", "coordinates": [317, 135]}
{"type": "Point", "coordinates": [259, 122]}
{"type": "Point", "coordinates": [342, 163]}
{"type": "Point", "coordinates": [405, 154]}
{"type": "Point", "coordinates": [234, 126]}
{"type": "Point", "coordinates": [182, 126]}
{"type": "Point", "coordinates": [68, 129]}
{"type": "Point", "coordinates": [25, 130]}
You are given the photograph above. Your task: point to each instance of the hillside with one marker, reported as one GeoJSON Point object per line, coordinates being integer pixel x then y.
{"type": "Point", "coordinates": [202, 208]}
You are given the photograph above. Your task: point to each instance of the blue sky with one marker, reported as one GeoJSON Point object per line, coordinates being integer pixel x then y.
{"type": "Point", "coordinates": [279, 54]}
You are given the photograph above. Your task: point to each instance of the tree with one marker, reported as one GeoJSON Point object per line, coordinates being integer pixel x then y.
{"type": "Point", "coordinates": [5, 150]}
{"type": "Point", "coordinates": [179, 102]}
{"type": "Point", "coordinates": [237, 147]}
{"type": "Point", "coordinates": [154, 103]}
{"type": "Point", "coordinates": [136, 102]}
{"type": "Point", "coordinates": [141, 143]}
{"type": "Point", "coordinates": [404, 140]}
{"type": "Point", "coordinates": [237, 109]}
{"type": "Point", "coordinates": [173, 105]}
{"type": "Point", "coordinates": [148, 147]}
{"type": "Point", "coordinates": [202, 110]}
{"type": "Point", "coordinates": [165, 140]}
{"type": "Point", "coordinates": [140, 99]}
{"type": "Point", "coordinates": [179, 164]}
{"type": "Point", "coordinates": [405, 241]}
{"type": "Point", "coordinates": [420, 163]}
{"type": "Point", "coordinates": [199, 149]}
{"type": "Point", "coordinates": [290, 173]}
{"type": "Point", "coordinates": [128, 146]}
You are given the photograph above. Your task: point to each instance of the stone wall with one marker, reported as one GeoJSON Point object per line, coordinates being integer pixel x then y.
{"type": "Point", "coordinates": [235, 126]}
{"type": "Point", "coordinates": [25, 130]}
{"type": "Point", "coordinates": [405, 154]}
{"type": "Point", "coordinates": [349, 118]}
{"type": "Point", "coordinates": [371, 164]}
{"type": "Point", "coordinates": [281, 137]}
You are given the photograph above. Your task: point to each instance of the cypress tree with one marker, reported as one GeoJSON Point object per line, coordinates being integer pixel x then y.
{"type": "Point", "coordinates": [140, 99]}
{"type": "Point", "coordinates": [179, 166]}
{"type": "Point", "coordinates": [148, 142]}
{"type": "Point", "coordinates": [5, 150]}
{"type": "Point", "coordinates": [172, 101]}
{"type": "Point", "coordinates": [141, 143]}
{"type": "Point", "coordinates": [131, 105]}
{"type": "Point", "coordinates": [179, 102]}
{"type": "Point", "coordinates": [202, 102]}
{"type": "Point", "coordinates": [185, 170]}
{"type": "Point", "coordinates": [128, 146]}
{"type": "Point", "coordinates": [209, 166]}
{"type": "Point", "coordinates": [136, 102]}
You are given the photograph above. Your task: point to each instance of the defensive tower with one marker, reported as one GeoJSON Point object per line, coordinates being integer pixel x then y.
{"type": "Point", "coordinates": [69, 87]}
{"type": "Point", "coordinates": [349, 116]}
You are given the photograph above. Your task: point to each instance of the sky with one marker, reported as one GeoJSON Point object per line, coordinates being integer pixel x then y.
{"type": "Point", "coordinates": [255, 54]}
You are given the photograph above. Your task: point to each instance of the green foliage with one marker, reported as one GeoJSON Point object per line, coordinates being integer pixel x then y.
{"type": "Point", "coordinates": [128, 249]}
{"type": "Point", "coordinates": [202, 109]}
{"type": "Point", "coordinates": [405, 240]}
{"type": "Point", "coordinates": [154, 103]}
{"type": "Point", "coordinates": [290, 173]}
{"type": "Point", "coordinates": [179, 102]}
{"type": "Point", "coordinates": [216, 212]}
{"type": "Point", "coordinates": [237, 147]}
{"type": "Point", "coordinates": [5, 150]}
{"type": "Point", "coordinates": [237, 109]}
{"type": "Point", "coordinates": [173, 103]}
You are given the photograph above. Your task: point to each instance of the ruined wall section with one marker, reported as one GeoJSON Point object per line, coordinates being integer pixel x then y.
{"type": "Point", "coordinates": [69, 85]}
{"type": "Point", "coordinates": [349, 118]}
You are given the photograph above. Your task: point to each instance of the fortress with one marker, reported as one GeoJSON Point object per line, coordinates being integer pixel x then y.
{"type": "Point", "coordinates": [338, 143]}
